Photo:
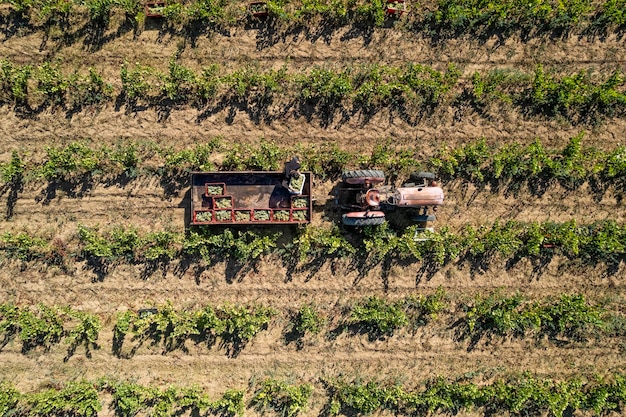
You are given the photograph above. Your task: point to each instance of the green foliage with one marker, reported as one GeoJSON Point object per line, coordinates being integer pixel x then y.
{"type": "Point", "coordinates": [23, 246]}
{"type": "Point", "coordinates": [440, 395]}
{"type": "Point", "coordinates": [118, 243]}
{"type": "Point", "coordinates": [231, 403]}
{"type": "Point", "coordinates": [380, 242]}
{"type": "Point", "coordinates": [383, 317]}
{"type": "Point", "coordinates": [242, 323]}
{"type": "Point", "coordinates": [379, 315]}
{"type": "Point", "coordinates": [523, 394]}
{"type": "Point", "coordinates": [244, 247]}
{"type": "Point", "coordinates": [78, 399]}
{"type": "Point", "coordinates": [613, 14]}
{"type": "Point", "coordinates": [198, 158]}
{"type": "Point", "coordinates": [580, 97]}
{"type": "Point", "coordinates": [210, 11]}
{"type": "Point", "coordinates": [99, 10]}
{"type": "Point", "coordinates": [120, 330]}
{"type": "Point", "coordinates": [131, 8]}
{"type": "Point", "coordinates": [9, 397]}
{"type": "Point", "coordinates": [477, 17]}
{"type": "Point", "coordinates": [52, 83]}
{"type": "Point", "coordinates": [180, 83]}
{"type": "Point", "coordinates": [166, 325]}
{"type": "Point", "coordinates": [502, 240]}
{"type": "Point", "coordinates": [602, 241]}
{"type": "Point", "coordinates": [517, 394]}
{"type": "Point", "coordinates": [136, 81]}
{"type": "Point", "coordinates": [235, 324]}
{"type": "Point", "coordinates": [14, 82]}
{"type": "Point", "coordinates": [287, 400]}
{"type": "Point", "coordinates": [570, 13]}
{"type": "Point", "coordinates": [511, 166]}
{"type": "Point", "coordinates": [159, 246]}
{"type": "Point", "coordinates": [372, 11]}
{"type": "Point", "coordinates": [315, 242]}
{"type": "Point", "coordinates": [378, 85]}
{"type": "Point", "coordinates": [75, 159]}
{"type": "Point", "coordinates": [308, 320]}
{"type": "Point", "coordinates": [85, 332]}
{"type": "Point", "coordinates": [13, 171]}
{"type": "Point", "coordinates": [130, 398]}
{"type": "Point", "coordinates": [245, 82]}
{"type": "Point", "coordinates": [22, 6]}
{"type": "Point", "coordinates": [554, 97]}
{"type": "Point", "coordinates": [392, 160]}
{"type": "Point", "coordinates": [324, 86]}
{"type": "Point", "coordinates": [208, 83]}
{"type": "Point", "coordinates": [423, 309]}
{"type": "Point", "coordinates": [43, 327]}
{"type": "Point", "coordinates": [201, 244]}
{"type": "Point", "coordinates": [310, 9]}
{"type": "Point", "coordinates": [364, 398]}
{"type": "Point", "coordinates": [501, 315]}
{"type": "Point", "coordinates": [515, 163]}
{"type": "Point", "coordinates": [91, 90]}
{"type": "Point", "coordinates": [465, 162]}
{"type": "Point", "coordinates": [9, 321]}
{"type": "Point", "coordinates": [175, 12]}
{"type": "Point", "coordinates": [55, 11]}
{"type": "Point", "coordinates": [125, 156]}
{"type": "Point", "coordinates": [427, 84]}
{"type": "Point", "coordinates": [326, 162]}
{"type": "Point", "coordinates": [570, 316]}
{"type": "Point", "coordinates": [591, 244]}
{"type": "Point", "coordinates": [266, 157]}
{"type": "Point", "coordinates": [250, 246]}
{"type": "Point", "coordinates": [575, 95]}
{"type": "Point", "coordinates": [491, 88]}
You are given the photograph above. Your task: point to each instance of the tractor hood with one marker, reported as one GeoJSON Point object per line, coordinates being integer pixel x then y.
{"type": "Point", "coordinates": [418, 196]}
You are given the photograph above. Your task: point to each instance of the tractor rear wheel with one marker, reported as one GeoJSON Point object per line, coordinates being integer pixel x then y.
{"type": "Point", "coordinates": [416, 176]}
{"type": "Point", "coordinates": [347, 220]}
{"type": "Point", "coordinates": [363, 174]}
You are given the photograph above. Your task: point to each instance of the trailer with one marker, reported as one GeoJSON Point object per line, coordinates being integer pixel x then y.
{"type": "Point", "coordinates": [250, 197]}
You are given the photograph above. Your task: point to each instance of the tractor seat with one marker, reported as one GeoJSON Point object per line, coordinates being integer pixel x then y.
{"type": "Point", "coordinates": [372, 198]}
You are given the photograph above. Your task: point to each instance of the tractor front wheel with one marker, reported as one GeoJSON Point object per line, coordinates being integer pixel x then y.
{"type": "Point", "coordinates": [363, 219]}
{"type": "Point", "coordinates": [361, 176]}
{"type": "Point", "coordinates": [416, 176]}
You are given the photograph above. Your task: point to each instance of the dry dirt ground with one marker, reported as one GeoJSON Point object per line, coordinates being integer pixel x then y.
{"type": "Point", "coordinates": [430, 351]}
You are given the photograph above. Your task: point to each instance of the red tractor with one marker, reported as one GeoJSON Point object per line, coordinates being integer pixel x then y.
{"type": "Point", "coordinates": [368, 202]}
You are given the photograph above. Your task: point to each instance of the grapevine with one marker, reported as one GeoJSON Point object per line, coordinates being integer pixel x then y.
{"type": "Point", "coordinates": [578, 97]}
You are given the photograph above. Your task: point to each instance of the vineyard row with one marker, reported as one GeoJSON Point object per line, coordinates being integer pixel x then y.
{"type": "Point", "coordinates": [583, 97]}
{"type": "Point", "coordinates": [599, 243]}
{"type": "Point", "coordinates": [515, 394]}
{"type": "Point", "coordinates": [443, 17]}
{"type": "Point", "coordinates": [564, 318]}
{"type": "Point", "coordinates": [508, 166]}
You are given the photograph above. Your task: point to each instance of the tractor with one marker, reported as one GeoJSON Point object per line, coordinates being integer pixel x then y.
{"type": "Point", "coordinates": [368, 202]}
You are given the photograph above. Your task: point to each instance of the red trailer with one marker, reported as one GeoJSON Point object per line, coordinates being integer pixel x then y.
{"type": "Point", "coordinates": [250, 197]}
